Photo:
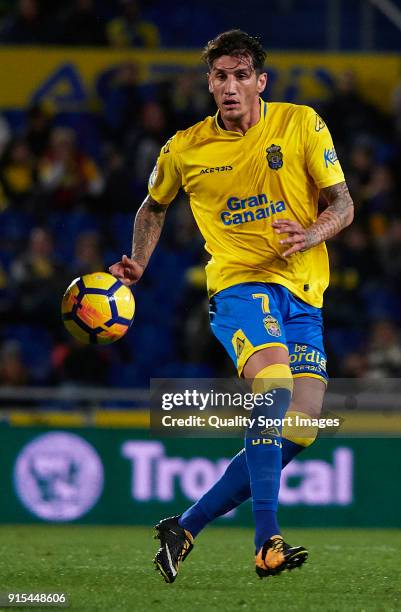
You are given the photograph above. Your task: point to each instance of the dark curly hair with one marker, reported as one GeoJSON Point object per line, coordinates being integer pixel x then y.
{"type": "Point", "coordinates": [237, 43]}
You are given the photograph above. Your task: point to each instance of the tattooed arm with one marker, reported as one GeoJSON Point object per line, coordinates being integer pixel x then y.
{"type": "Point", "coordinates": [147, 229]}
{"type": "Point", "coordinates": [338, 214]}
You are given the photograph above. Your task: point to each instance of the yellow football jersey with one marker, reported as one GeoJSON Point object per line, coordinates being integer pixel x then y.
{"type": "Point", "coordinates": [238, 184]}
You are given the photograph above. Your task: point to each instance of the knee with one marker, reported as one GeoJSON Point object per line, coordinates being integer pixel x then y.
{"type": "Point", "coordinates": [275, 376]}
{"type": "Point", "coordinates": [306, 404]}
{"type": "Point", "coordinates": [297, 428]}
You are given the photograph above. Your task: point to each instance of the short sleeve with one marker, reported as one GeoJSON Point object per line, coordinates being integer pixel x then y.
{"type": "Point", "coordinates": [321, 157]}
{"type": "Point", "coordinates": [165, 179]}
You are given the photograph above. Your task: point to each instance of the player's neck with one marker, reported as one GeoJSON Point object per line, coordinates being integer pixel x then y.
{"type": "Point", "coordinates": [242, 124]}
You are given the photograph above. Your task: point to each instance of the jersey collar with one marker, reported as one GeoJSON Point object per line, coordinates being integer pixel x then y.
{"type": "Point", "coordinates": [255, 128]}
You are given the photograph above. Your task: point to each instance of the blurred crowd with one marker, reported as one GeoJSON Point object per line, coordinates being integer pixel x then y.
{"type": "Point", "coordinates": [113, 23]}
{"type": "Point", "coordinates": [78, 22]}
{"type": "Point", "coordinates": [70, 185]}
{"type": "Point", "coordinates": [286, 24]}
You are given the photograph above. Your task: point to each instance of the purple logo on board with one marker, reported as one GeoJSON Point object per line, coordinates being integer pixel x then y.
{"type": "Point", "coordinates": [58, 476]}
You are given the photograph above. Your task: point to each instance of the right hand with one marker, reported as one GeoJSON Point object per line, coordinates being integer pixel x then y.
{"type": "Point", "coordinates": [128, 271]}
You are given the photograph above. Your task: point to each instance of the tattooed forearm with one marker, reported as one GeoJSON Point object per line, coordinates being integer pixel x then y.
{"type": "Point", "coordinates": [338, 214]}
{"type": "Point", "coordinates": [147, 229]}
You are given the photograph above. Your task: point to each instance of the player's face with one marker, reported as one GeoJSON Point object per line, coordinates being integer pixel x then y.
{"type": "Point", "coordinates": [236, 88]}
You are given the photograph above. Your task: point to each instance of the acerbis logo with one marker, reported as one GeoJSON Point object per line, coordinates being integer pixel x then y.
{"type": "Point", "coordinates": [58, 476]}
{"type": "Point", "coordinates": [319, 123]}
{"type": "Point", "coordinates": [216, 169]}
{"type": "Point", "coordinates": [166, 148]}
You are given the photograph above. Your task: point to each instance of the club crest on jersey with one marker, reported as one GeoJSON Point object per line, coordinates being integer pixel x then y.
{"type": "Point", "coordinates": [272, 326]}
{"type": "Point", "coordinates": [274, 157]}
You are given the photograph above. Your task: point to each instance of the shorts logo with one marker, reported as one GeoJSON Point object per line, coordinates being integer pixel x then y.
{"type": "Point", "coordinates": [306, 358]}
{"type": "Point", "coordinates": [274, 157]}
{"type": "Point", "coordinates": [319, 124]}
{"type": "Point", "coordinates": [240, 343]}
{"type": "Point", "coordinates": [272, 326]}
{"type": "Point", "coordinates": [330, 157]}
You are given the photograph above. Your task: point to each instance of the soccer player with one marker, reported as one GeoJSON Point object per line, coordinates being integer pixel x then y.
{"type": "Point", "coordinates": [253, 173]}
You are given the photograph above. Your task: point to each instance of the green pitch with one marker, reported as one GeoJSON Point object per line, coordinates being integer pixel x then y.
{"type": "Point", "coordinates": [110, 569]}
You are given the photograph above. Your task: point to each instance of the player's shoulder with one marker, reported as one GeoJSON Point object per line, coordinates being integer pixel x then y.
{"type": "Point", "coordinates": [194, 135]}
{"type": "Point", "coordinates": [304, 118]}
{"type": "Point", "coordinates": [295, 111]}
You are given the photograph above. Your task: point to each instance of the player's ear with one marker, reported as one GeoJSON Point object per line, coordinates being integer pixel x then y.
{"type": "Point", "coordinates": [262, 82]}
{"type": "Point", "coordinates": [209, 83]}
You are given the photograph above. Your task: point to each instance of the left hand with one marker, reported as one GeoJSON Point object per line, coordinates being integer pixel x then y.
{"type": "Point", "coordinates": [128, 271]}
{"type": "Point", "coordinates": [296, 235]}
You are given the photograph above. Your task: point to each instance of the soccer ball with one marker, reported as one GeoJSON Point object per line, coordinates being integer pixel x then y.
{"type": "Point", "coordinates": [97, 308]}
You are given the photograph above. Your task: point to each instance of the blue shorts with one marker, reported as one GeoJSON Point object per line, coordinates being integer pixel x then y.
{"type": "Point", "coordinates": [251, 316]}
